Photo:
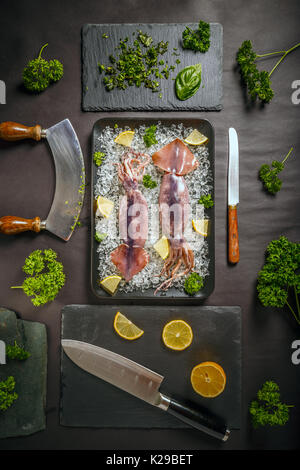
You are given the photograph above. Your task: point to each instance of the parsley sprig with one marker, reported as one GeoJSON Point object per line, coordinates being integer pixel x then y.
{"type": "Point", "coordinates": [268, 175]}
{"type": "Point", "coordinates": [268, 408]}
{"type": "Point", "coordinates": [7, 393]}
{"type": "Point", "coordinates": [45, 276]}
{"type": "Point", "coordinates": [193, 284]}
{"type": "Point", "coordinates": [150, 135]}
{"type": "Point", "coordinates": [206, 201]}
{"type": "Point", "coordinates": [258, 82]}
{"type": "Point", "coordinates": [14, 351]}
{"type": "Point", "coordinates": [148, 182]}
{"type": "Point", "coordinates": [278, 278]}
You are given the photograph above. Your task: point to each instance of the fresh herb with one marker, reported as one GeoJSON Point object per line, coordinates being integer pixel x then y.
{"type": "Point", "coordinates": [136, 64]}
{"type": "Point", "coordinates": [39, 73]}
{"type": "Point", "coordinates": [258, 82]}
{"type": "Point", "coordinates": [144, 38]}
{"type": "Point", "coordinates": [193, 284]}
{"type": "Point", "coordinates": [99, 237]}
{"type": "Point", "coordinates": [98, 158]}
{"type": "Point", "coordinates": [198, 40]}
{"type": "Point", "coordinates": [105, 36]}
{"type": "Point", "coordinates": [45, 276]}
{"type": "Point", "coordinates": [278, 277]}
{"type": "Point", "coordinates": [148, 182]}
{"type": "Point", "coordinates": [16, 352]}
{"type": "Point", "coordinates": [188, 82]}
{"type": "Point", "coordinates": [206, 201]}
{"type": "Point", "coordinates": [7, 393]}
{"type": "Point", "coordinates": [268, 409]}
{"type": "Point", "coordinates": [269, 177]}
{"type": "Point", "coordinates": [149, 136]}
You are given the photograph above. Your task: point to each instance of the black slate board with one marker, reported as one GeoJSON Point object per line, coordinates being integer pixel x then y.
{"type": "Point", "coordinates": [89, 401]}
{"type": "Point", "coordinates": [173, 295]}
{"type": "Point", "coordinates": [96, 49]}
{"type": "Point", "coordinates": [27, 414]}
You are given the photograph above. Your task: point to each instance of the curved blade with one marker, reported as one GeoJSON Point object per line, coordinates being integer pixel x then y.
{"type": "Point", "coordinates": [70, 179]}
{"type": "Point", "coordinates": [115, 369]}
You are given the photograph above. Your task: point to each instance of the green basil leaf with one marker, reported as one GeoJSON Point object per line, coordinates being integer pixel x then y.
{"type": "Point", "coordinates": [188, 82]}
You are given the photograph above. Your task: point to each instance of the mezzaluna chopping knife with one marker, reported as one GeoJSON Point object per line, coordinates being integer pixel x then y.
{"type": "Point", "coordinates": [233, 197]}
{"type": "Point", "coordinates": [70, 179]}
{"type": "Point", "coordinates": [141, 382]}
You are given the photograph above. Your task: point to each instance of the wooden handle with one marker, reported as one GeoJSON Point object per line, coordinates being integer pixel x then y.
{"type": "Point", "coordinates": [233, 236]}
{"type": "Point", "coordinates": [13, 131]}
{"type": "Point", "coordinates": [10, 225]}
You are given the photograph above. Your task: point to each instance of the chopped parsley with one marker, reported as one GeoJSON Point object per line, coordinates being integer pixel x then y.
{"type": "Point", "coordinates": [136, 64]}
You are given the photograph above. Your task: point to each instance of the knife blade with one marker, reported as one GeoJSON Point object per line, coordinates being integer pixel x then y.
{"type": "Point", "coordinates": [233, 197]}
{"type": "Point", "coordinates": [69, 177]}
{"type": "Point", "coordinates": [141, 382]}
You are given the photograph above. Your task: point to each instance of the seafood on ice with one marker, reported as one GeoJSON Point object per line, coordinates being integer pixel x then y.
{"type": "Point", "coordinates": [176, 160]}
{"type": "Point", "coordinates": [130, 257]}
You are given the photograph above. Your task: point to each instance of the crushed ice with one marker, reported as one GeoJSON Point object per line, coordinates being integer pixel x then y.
{"type": "Point", "coordinates": [199, 182]}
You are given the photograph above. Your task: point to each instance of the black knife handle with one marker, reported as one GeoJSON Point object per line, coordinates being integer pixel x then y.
{"type": "Point", "coordinates": [199, 418]}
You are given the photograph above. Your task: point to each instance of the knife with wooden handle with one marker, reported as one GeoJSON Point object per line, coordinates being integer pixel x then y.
{"type": "Point", "coordinates": [69, 174]}
{"type": "Point", "coordinates": [233, 198]}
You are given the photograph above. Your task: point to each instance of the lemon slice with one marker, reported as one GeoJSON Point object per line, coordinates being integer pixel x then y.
{"type": "Point", "coordinates": [125, 328]}
{"type": "Point", "coordinates": [110, 283]}
{"type": "Point", "coordinates": [196, 138]}
{"type": "Point", "coordinates": [208, 379]}
{"type": "Point", "coordinates": [201, 226]}
{"type": "Point", "coordinates": [162, 247]}
{"type": "Point", "coordinates": [104, 206]}
{"type": "Point", "coordinates": [125, 138]}
{"type": "Point", "coordinates": [177, 334]}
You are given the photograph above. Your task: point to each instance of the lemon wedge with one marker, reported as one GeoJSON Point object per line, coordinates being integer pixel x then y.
{"type": "Point", "coordinates": [125, 328]}
{"type": "Point", "coordinates": [201, 226]}
{"type": "Point", "coordinates": [110, 283]}
{"type": "Point", "coordinates": [177, 334]}
{"type": "Point", "coordinates": [104, 206]}
{"type": "Point", "coordinates": [125, 138]}
{"type": "Point", "coordinates": [162, 247]}
{"type": "Point", "coordinates": [196, 138]}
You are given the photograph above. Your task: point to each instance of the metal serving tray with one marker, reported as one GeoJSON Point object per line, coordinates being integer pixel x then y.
{"type": "Point", "coordinates": [172, 296]}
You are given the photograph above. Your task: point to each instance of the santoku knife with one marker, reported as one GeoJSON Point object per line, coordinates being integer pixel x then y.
{"type": "Point", "coordinates": [141, 382]}
{"type": "Point", "coordinates": [70, 179]}
{"type": "Point", "coordinates": [233, 197]}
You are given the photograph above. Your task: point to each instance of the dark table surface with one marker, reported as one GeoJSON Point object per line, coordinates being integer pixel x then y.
{"type": "Point", "coordinates": [266, 133]}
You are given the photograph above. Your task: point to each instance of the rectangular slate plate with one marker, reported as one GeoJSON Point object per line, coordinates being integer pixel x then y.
{"type": "Point", "coordinates": [173, 296]}
{"type": "Point", "coordinates": [27, 414]}
{"type": "Point", "coordinates": [88, 401]}
{"type": "Point", "coordinates": [97, 49]}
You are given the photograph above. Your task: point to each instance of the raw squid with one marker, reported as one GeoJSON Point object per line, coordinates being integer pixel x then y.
{"type": "Point", "coordinates": [176, 160]}
{"type": "Point", "coordinates": [130, 257]}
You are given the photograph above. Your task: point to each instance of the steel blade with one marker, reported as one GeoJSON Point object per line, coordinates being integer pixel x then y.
{"type": "Point", "coordinates": [70, 179]}
{"type": "Point", "coordinates": [233, 168]}
{"type": "Point", "coordinates": [115, 369]}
